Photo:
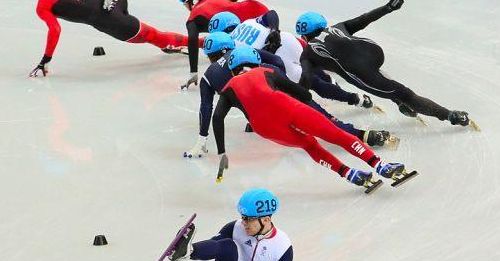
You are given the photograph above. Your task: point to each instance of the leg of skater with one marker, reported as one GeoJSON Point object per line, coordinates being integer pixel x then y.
{"type": "Point", "coordinates": [317, 125]}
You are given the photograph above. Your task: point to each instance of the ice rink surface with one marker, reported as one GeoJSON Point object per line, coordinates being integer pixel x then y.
{"type": "Point", "coordinates": [96, 147]}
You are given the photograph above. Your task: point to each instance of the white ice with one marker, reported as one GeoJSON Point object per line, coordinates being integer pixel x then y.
{"type": "Point", "coordinates": [96, 147]}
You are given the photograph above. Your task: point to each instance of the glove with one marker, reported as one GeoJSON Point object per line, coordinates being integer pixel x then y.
{"type": "Point", "coordinates": [395, 4]}
{"type": "Point", "coordinates": [109, 5]}
{"type": "Point", "coordinates": [223, 164]}
{"type": "Point", "coordinates": [199, 149]}
{"type": "Point", "coordinates": [193, 78]}
{"type": "Point", "coordinates": [41, 67]}
{"type": "Point", "coordinates": [273, 41]}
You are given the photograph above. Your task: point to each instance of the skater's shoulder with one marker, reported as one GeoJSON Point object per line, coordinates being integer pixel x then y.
{"type": "Point", "coordinates": [283, 237]}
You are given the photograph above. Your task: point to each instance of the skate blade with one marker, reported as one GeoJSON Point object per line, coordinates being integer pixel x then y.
{"type": "Point", "coordinates": [374, 186]}
{"type": "Point", "coordinates": [392, 142]}
{"type": "Point", "coordinates": [404, 178]}
{"type": "Point", "coordinates": [183, 51]}
{"type": "Point", "coordinates": [378, 109]}
{"type": "Point", "coordinates": [474, 125]}
{"type": "Point", "coordinates": [421, 121]}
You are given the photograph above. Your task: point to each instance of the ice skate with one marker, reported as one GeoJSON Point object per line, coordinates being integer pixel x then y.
{"type": "Point", "coordinates": [462, 118]}
{"type": "Point", "coordinates": [367, 103]}
{"type": "Point", "coordinates": [365, 179]}
{"type": "Point", "coordinates": [409, 112]}
{"type": "Point", "coordinates": [169, 49]}
{"type": "Point", "coordinates": [199, 150]}
{"type": "Point", "coordinates": [396, 172]}
{"type": "Point", "coordinates": [381, 138]}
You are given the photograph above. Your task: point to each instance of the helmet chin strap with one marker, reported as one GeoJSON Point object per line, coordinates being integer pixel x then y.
{"type": "Point", "coordinates": [262, 228]}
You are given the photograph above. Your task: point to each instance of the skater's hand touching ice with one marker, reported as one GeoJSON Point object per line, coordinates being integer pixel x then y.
{"type": "Point", "coordinates": [41, 67]}
{"type": "Point", "coordinates": [192, 78]}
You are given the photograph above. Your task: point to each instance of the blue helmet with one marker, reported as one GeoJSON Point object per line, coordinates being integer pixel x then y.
{"type": "Point", "coordinates": [216, 42]}
{"type": "Point", "coordinates": [222, 21]}
{"type": "Point", "coordinates": [243, 55]}
{"type": "Point", "coordinates": [258, 202]}
{"type": "Point", "coordinates": [309, 22]}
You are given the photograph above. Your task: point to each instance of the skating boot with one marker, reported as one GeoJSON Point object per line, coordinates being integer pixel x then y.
{"type": "Point", "coordinates": [389, 170]}
{"type": "Point", "coordinates": [381, 138]}
{"type": "Point", "coordinates": [459, 118]}
{"type": "Point", "coordinates": [199, 150]}
{"type": "Point", "coordinates": [365, 102]}
{"type": "Point", "coordinates": [363, 178]}
{"type": "Point", "coordinates": [184, 247]}
{"type": "Point", "coordinates": [407, 111]}
{"type": "Point", "coordinates": [395, 171]}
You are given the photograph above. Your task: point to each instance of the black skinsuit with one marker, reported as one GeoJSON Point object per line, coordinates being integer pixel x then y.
{"type": "Point", "coordinates": [358, 61]}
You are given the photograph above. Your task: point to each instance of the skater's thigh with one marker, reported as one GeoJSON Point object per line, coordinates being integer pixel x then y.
{"type": "Point", "coordinates": [292, 137]}
{"type": "Point", "coordinates": [388, 88]}
{"type": "Point", "coordinates": [120, 26]}
{"type": "Point", "coordinates": [312, 122]}
{"type": "Point", "coordinates": [374, 82]}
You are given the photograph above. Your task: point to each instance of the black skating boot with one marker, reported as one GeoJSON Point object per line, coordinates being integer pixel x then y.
{"type": "Point", "coordinates": [459, 118]}
{"type": "Point", "coordinates": [407, 111]}
{"type": "Point", "coordinates": [366, 102]}
{"type": "Point", "coordinates": [376, 138]}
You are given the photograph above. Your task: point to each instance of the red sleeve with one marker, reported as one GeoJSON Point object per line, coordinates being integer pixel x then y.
{"type": "Point", "coordinates": [44, 11]}
{"type": "Point", "coordinates": [244, 10]}
{"type": "Point", "coordinates": [302, 42]}
{"type": "Point", "coordinates": [248, 9]}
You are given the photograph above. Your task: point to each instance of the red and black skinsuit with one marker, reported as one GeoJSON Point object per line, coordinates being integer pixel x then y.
{"type": "Point", "coordinates": [202, 12]}
{"type": "Point", "coordinates": [274, 115]}
{"type": "Point", "coordinates": [117, 23]}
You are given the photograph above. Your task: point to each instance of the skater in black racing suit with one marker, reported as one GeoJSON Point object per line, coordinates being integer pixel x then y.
{"type": "Point", "coordinates": [358, 61]}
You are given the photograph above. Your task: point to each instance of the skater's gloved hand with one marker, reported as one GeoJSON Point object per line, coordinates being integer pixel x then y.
{"type": "Point", "coordinates": [395, 4]}
{"type": "Point", "coordinates": [223, 164]}
{"type": "Point", "coordinates": [199, 149]}
{"type": "Point", "coordinates": [192, 78]}
{"type": "Point", "coordinates": [273, 41]}
{"type": "Point", "coordinates": [41, 67]}
{"type": "Point", "coordinates": [109, 4]}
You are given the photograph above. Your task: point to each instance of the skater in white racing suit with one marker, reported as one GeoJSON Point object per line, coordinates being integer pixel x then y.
{"type": "Point", "coordinates": [251, 238]}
